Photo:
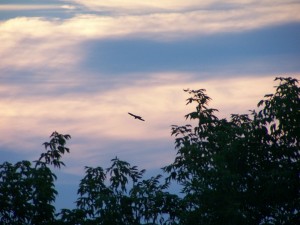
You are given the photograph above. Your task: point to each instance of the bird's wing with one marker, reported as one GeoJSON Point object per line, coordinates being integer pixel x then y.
{"type": "Point", "coordinates": [132, 114]}
{"type": "Point", "coordinates": [136, 117]}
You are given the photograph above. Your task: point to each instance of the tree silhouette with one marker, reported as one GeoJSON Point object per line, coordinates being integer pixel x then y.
{"type": "Point", "coordinates": [27, 193]}
{"type": "Point", "coordinates": [242, 170]}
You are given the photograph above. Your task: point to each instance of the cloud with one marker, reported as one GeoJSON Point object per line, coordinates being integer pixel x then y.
{"type": "Point", "coordinates": [190, 17]}
{"type": "Point", "coordinates": [17, 7]}
{"type": "Point", "coordinates": [155, 6]}
{"type": "Point", "coordinates": [179, 25]}
{"type": "Point", "coordinates": [36, 42]}
{"type": "Point", "coordinates": [70, 7]}
{"type": "Point", "coordinates": [158, 25]}
{"type": "Point", "coordinates": [255, 51]}
{"type": "Point", "coordinates": [136, 6]}
{"type": "Point", "coordinates": [100, 125]}
{"type": "Point", "coordinates": [46, 86]}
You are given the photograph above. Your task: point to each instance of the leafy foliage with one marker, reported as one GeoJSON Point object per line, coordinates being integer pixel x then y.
{"type": "Point", "coordinates": [242, 170]}
{"type": "Point", "coordinates": [27, 193]}
{"type": "Point", "coordinates": [54, 150]}
{"type": "Point", "coordinates": [113, 203]}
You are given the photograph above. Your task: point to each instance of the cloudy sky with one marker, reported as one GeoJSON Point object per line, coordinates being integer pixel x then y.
{"type": "Point", "coordinates": [79, 66]}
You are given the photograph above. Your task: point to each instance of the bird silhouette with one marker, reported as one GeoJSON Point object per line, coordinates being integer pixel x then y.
{"type": "Point", "coordinates": [136, 117]}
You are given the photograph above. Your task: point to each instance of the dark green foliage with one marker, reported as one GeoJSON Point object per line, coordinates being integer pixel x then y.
{"type": "Point", "coordinates": [27, 193]}
{"type": "Point", "coordinates": [16, 193]}
{"type": "Point", "coordinates": [241, 171]}
{"type": "Point", "coordinates": [54, 150]}
{"type": "Point", "coordinates": [244, 170]}
{"type": "Point", "coordinates": [108, 201]}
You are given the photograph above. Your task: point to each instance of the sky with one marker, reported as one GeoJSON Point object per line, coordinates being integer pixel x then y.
{"type": "Point", "coordinates": [78, 67]}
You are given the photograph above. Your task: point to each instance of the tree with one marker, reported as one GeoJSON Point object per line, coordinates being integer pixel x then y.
{"type": "Point", "coordinates": [244, 170]}
{"type": "Point", "coordinates": [27, 193]}
{"type": "Point", "coordinates": [241, 171]}
{"type": "Point", "coordinates": [105, 201]}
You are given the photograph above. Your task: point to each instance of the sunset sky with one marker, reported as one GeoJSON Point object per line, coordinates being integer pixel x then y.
{"type": "Point", "coordinates": [79, 66]}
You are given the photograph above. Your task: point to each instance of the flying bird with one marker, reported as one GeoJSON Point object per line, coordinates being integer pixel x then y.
{"type": "Point", "coordinates": [136, 117]}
